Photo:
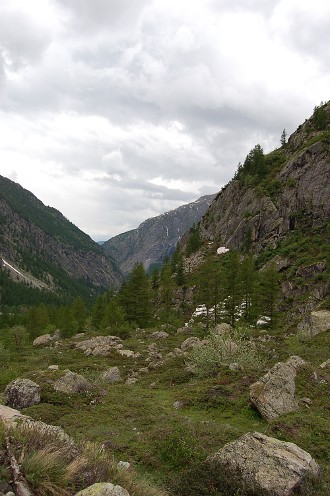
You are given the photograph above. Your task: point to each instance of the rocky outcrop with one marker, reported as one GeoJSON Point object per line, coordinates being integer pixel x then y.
{"type": "Point", "coordinates": [22, 393]}
{"type": "Point", "coordinates": [315, 323]}
{"type": "Point", "coordinates": [103, 489]}
{"type": "Point", "coordinates": [265, 465]}
{"type": "Point", "coordinates": [72, 383]}
{"type": "Point", "coordinates": [237, 213]}
{"type": "Point", "coordinates": [274, 394]}
{"type": "Point", "coordinates": [156, 238]}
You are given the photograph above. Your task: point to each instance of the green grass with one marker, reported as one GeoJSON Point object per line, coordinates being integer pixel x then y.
{"type": "Point", "coordinates": [139, 423]}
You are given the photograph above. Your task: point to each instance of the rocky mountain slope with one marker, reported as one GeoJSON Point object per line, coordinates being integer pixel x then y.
{"type": "Point", "coordinates": [281, 212]}
{"type": "Point", "coordinates": [156, 238]}
{"type": "Point", "coordinates": [40, 248]}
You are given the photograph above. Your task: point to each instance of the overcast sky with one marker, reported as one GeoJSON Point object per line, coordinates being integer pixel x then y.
{"type": "Point", "coordinates": [114, 111]}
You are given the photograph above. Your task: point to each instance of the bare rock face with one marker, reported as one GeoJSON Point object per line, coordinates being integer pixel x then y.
{"type": "Point", "coordinates": [72, 383]}
{"type": "Point", "coordinates": [22, 393]}
{"type": "Point", "coordinates": [317, 322]}
{"type": "Point", "coordinates": [111, 376]}
{"type": "Point", "coordinates": [103, 489]}
{"type": "Point", "coordinates": [274, 393]}
{"type": "Point", "coordinates": [265, 464]}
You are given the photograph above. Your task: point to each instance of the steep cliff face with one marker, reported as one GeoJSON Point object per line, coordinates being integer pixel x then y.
{"type": "Point", "coordinates": [296, 196]}
{"type": "Point", "coordinates": [40, 247]}
{"type": "Point", "coordinates": [155, 238]}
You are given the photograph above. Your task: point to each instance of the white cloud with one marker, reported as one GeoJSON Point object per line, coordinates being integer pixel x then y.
{"type": "Point", "coordinates": [115, 111]}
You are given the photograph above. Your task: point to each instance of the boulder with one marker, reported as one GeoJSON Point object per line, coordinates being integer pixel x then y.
{"type": "Point", "coordinates": [111, 376]}
{"type": "Point", "coordinates": [325, 364]}
{"type": "Point", "coordinates": [265, 465]}
{"type": "Point", "coordinates": [72, 383]}
{"type": "Point", "coordinates": [190, 343]}
{"type": "Point", "coordinates": [159, 335]}
{"type": "Point", "coordinates": [98, 346]}
{"type": "Point", "coordinates": [103, 489]}
{"type": "Point", "coordinates": [222, 329]}
{"type": "Point", "coordinates": [128, 353]}
{"type": "Point", "coordinates": [43, 340]}
{"type": "Point", "coordinates": [317, 322]}
{"type": "Point", "coordinates": [274, 393]}
{"type": "Point", "coordinates": [22, 393]}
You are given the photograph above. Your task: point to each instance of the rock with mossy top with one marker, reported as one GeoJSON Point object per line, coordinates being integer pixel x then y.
{"type": "Point", "coordinates": [103, 489]}
{"type": "Point", "coordinates": [22, 393]}
{"type": "Point", "coordinates": [72, 383]}
{"type": "Point", "coordinates": [265, 465]}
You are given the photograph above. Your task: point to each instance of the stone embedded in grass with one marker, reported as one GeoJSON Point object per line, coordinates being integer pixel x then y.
{"type": "Point", "coordinates": [103, 489]}
{"type": "Point", "coordinates": [190, 343]}
{"type": "Point", "coordinates": [274, 393]}
{"type": "Point", "coordinates": [72, 383]}
{"type": "Point", "coordinates": [265, 465]}
{"type": "Point", "coordinates": [43, 340]}
{"type": "Point", "coordinates": [111, 376]}
{"type": "Point", "coordinates": [22, 393]}
{"type": "Point", "coordinates": [159, 335]}
{"type": "Point", "coordinates": [315, 323]}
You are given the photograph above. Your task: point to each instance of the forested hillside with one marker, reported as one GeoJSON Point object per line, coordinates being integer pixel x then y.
{"type": "Point", "coordinates": [44, 256]}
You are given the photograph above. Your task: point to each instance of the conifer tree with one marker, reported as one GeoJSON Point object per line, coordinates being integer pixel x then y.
{"type": "Point", "coordinates": [136, 297]}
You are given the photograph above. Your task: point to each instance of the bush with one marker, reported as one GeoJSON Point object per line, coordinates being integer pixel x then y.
{"type": "Point", "coordinates": [223, 349]}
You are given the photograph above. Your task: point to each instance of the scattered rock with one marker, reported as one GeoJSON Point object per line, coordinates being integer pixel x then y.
{"type": "Point", "coordinates": [123, 465]}
{"type": "Point", "coordinates": [103, 489]}
{"type": "Point", "coordinates": [265, 464]}
{"type": "Point", "coordinates": [111, 376]}
{"type": "Point", "coordinates": [184, 330]}
{"type": "Point", "coordinates": [128, 353]}
{"type": "Point", "coordinates": [43, 340]}
{"type": "Point", "coordinates": [178, 404]}
{"type": "Point", "coordinates": [317, 322]}
{"type": "Point", "coordinates": [53, 367]}
{"type": "Point", "coordinates": [72, 383]}
{"type": "Point", "coordinates": [143, 370]}
{"type": "Point", "coordinates": [274, 393]}
{"type": "Point", "coordinates": [190, 343]}
{"type": "Point", "coordinates": [325, 364]}
{"type": "Point", "coordinates": [131, 380]}
{"type": "Point", "coordinates": [22, 393]}
{"type": "Point", "coordinates": [159, 335]}
{"type": "Point", "coordinates": [222, 329]}
{"type": "Point", "coordinates": [98, 346]}
{"type": "Point", "coordinates": [306, 401]}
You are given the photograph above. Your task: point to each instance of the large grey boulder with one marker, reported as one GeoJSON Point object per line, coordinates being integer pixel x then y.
{"type": "Point", "coordinates": [72, 383]}
{"type": "Point", "coordinates": [43, 340]}
{"type": "Point", "coordinates": [111, 376]}
{"type": "Point", "coordinates": [103, 489]}
{"type": "Point", "coordinates": [190, 343]}
{"type": "Point", "coordinates": [315, 323]}
{"type": "Point", "coordinates": [22, 393]}
{"type": "Point", "coordinates": [98, 346]}
{"type": "Point", "coordinates": [274, 393]}
{"type": "Point", "coordinates": [266, 465]}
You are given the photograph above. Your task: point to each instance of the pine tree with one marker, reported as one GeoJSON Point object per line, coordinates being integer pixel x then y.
{"type": "Point", "coordinates": [283, 138]}
{"type": "Point", "coordinates": [136, 297]}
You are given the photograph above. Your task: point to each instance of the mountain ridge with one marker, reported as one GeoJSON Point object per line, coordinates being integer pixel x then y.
{"type": "Point", "coordinates": [155, 238]}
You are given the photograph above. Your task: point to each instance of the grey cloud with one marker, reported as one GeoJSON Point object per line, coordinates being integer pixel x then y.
{"type": "Point", "coordinates": [23, 39]}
